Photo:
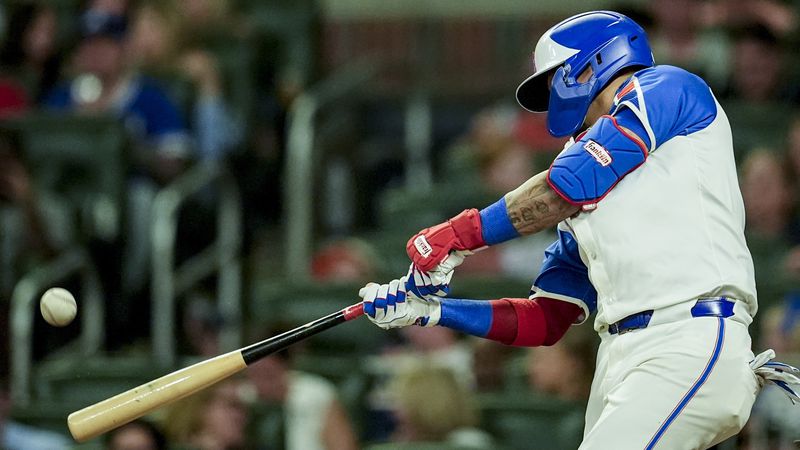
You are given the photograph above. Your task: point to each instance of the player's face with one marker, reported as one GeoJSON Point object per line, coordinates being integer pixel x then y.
{"type": "Point", "coordinates": [585, 75]}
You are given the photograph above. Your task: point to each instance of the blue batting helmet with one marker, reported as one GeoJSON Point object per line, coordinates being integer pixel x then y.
{"type": "Point", "coordinates": [605, 40]}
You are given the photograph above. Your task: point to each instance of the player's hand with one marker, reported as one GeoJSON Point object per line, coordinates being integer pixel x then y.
{"type": "Point", "coordinates": [435, 283]}
{"type": "Point", "coordinates": [391, 306]}
{"type": "Point", "coordinates": [429, 248]}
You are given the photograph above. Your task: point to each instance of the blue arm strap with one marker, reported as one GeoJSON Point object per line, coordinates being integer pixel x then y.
{"type": "Point", "coordinates": [467, 316]}
{"type": "Point", "coordinates": [496, 226]}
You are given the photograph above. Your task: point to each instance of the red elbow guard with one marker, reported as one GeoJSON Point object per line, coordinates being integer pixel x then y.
{"type": "Point", "coordinates": [531, 323]}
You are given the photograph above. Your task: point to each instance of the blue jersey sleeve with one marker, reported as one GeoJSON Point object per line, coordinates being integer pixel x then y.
{"type": "Point", "coordinates": [564, 276]}
{"type": "Point", "coordinates": [668, 102]}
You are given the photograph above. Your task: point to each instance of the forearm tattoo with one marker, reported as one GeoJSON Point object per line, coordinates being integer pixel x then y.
{"type": "Point", "coordinates": [534, 206]}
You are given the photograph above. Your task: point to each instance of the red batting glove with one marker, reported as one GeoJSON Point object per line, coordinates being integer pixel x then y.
{"type": "Point", "coordinates": [431, 246]}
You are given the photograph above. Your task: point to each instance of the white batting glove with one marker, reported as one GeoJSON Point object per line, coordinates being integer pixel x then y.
{"type": "Point", "coordinates": [781, 375]}
{"type": "Point", "coordinates": [391, 306]}
{"type": "Point", "coordinates": [436, 283]}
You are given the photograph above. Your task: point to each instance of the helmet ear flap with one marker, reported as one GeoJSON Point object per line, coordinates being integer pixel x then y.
{"type": "Point", "coordinates": [568, 103]}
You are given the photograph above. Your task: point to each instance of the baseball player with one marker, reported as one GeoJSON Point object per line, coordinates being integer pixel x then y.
{"type": "Point", "coordinates": [650, 226]}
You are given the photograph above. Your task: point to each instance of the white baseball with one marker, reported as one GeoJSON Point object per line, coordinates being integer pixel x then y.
{"type": "Point", "coordinates": [58, 307]}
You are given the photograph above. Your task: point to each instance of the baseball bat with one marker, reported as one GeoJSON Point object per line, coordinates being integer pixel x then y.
{"type": "Point", "coordinates": [113, 412]}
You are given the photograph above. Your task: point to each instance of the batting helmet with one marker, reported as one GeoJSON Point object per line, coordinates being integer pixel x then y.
{"type": "Point", "coordinates": [605, 40]}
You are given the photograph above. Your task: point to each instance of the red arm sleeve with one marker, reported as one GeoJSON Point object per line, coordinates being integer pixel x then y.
{"type": "Point", "coordinates": [531, 323]}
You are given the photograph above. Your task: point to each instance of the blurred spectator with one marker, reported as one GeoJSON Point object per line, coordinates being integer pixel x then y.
{"type": "Point", "coordinates": [313, 417]}
{"type": "Point", "coordinates": [563, 373]}
{"type": "Point", "coordinates": [202, 323]}
{"type": "Point", "coordinates": [33, 227]}
{"type": "Point", "coordinates": [208, 17]}
{"type": "Point", "coordinates": [442, 346]}
{"type": "Point", "coordinates": [105, 84]}
{"type": "Point", "coordinates": [793, 152]}
{"type": "Point", "coordinates": [782, 327]}
{"type": "Point", "coordinates": [155, 35]}
{"type": "Point", "coordinates": [491, 150]}
{"type": "Point", "coordinates": [433, 347]}
{"type": "Point", "coordinates": [348, 260]}
{"type": "Point", "coordinates": [678, 38]}
{"type": "Point", "coordinates": [759, 68]}
{"type": "Point", "coordinates": [16, 436]}
{"type": "Point", "coordinates": [13, 99]}
{"type": "Point", "coordinates": [31, 53]}
{"type": "Point", "coordinates": [531, 131]}
{"type": "Point", "coordinates": [157, 47]}
{"type": "Point", "coordinates": [565, 370]}
{"type": "Point", "coordinates": [212, 419]}
{"type": "Point", "coordinates": [778, 16]}
{"type": "Point", "coordinates": [437, 346]}
{"type": "Point", "coordinates": [775, 422]}
{"type": "Point", "coordinates": [431, 406]}
{"type": "Point", "coordinates": [492, 156]}
{"type": "Point", "coordinates": [769, 200]}
{"type": "Point", "coordinates": [137, 435]}
{"type": "Point", "coordinates": [769, 194]}
{"type": "Point", "coordinates": [112, 7]}
{"type": "Point", "coordinates": [490, 360]}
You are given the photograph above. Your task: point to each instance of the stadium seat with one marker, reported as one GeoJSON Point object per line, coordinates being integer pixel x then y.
{"type": "Point", "coordinates": [87, 380]}
{"type": "Point", "coordinates": [266, 424]}
{"type": "Point", "coordinates": [524, 420]}
{"type": "Point", "coordinates": [82, 158]}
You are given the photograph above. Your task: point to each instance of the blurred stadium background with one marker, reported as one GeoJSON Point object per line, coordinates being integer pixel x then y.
{"type": "Point", "coordinates": [205, 173]}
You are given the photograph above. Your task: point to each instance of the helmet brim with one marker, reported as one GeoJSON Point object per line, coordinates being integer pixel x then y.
{"type": "Point", "coordinates": [533, 94]}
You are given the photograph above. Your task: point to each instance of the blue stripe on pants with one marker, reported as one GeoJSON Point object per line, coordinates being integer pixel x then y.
{"type": "Point", "coordinates": [695, 387]}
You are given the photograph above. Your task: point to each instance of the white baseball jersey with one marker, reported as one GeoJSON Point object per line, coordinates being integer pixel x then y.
{"type": "Point", "coordinates": [663, 230]}
{"type": "Point", "coordinates": [672, 230]}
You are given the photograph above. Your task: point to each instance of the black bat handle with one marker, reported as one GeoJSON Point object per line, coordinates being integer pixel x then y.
{"type": "Point", "coordinates": [253, 353]}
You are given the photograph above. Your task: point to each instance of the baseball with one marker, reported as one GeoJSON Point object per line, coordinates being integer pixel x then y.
{"type": "Point", "coordinates": [58, 307]}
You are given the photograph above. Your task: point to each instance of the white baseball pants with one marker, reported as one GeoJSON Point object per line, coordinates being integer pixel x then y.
{"type": "Point", "coordinates": [683, 384]}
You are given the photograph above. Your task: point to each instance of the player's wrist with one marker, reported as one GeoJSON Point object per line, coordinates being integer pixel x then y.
{"type": "Point", "coordinates": [496, 225]}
